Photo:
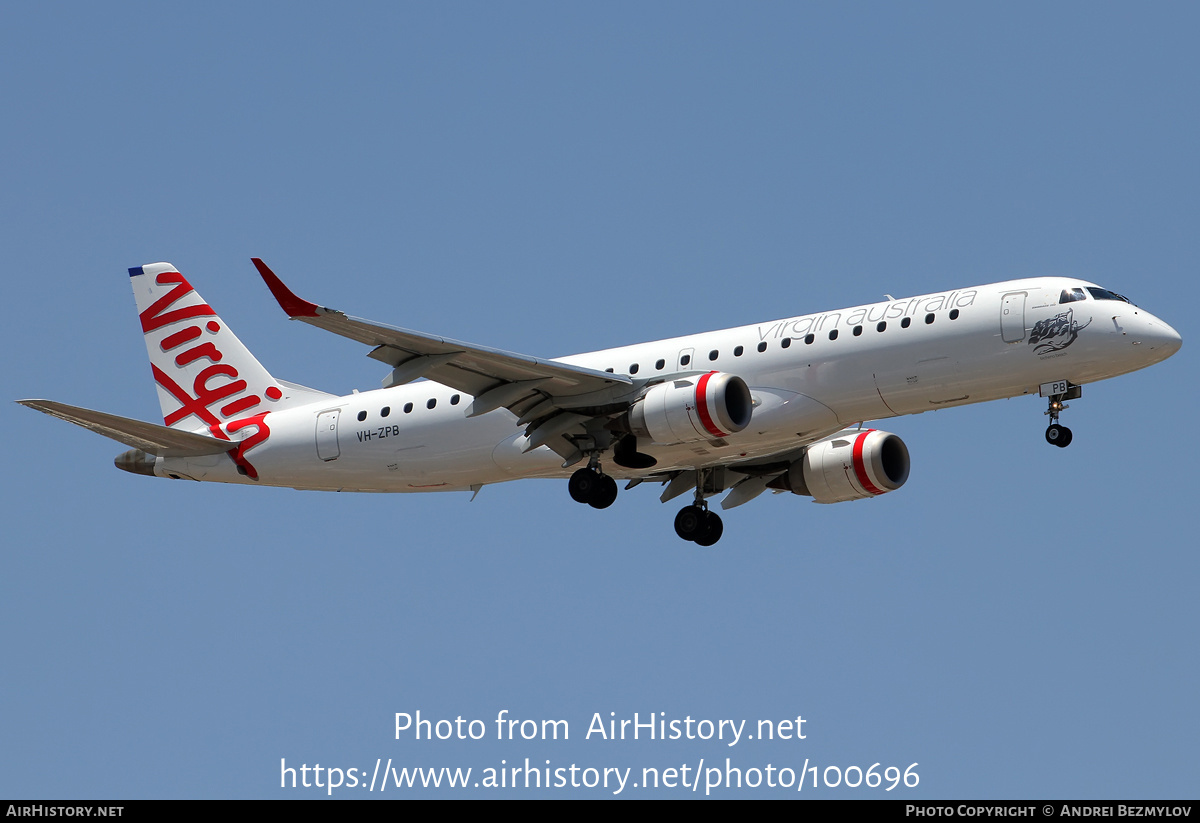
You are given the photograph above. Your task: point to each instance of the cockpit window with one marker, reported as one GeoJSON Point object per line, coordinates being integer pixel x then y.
{"type": "Point", "coordinates": [1071, 295]}
{"type": "Point", "coordinates": [1105, 294]}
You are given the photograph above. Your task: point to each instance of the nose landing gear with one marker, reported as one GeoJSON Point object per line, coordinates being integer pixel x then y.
{"type": "Point", "coordinates": [1057, 435]}
{"type": "Point", "coordinates": [1058, 392]}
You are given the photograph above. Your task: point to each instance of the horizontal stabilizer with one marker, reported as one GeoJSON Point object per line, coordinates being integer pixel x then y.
{"type": "Point", "coordinates": [149, 437]}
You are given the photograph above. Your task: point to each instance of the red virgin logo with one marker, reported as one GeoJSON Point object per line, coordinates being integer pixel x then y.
{"type": "Point", "coordinates": [216, 389]}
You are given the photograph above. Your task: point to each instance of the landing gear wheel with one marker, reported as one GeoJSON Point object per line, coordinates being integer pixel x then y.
{"type": "Point", "coordinates": [590, 486]}
{"type": "Point", "coordinates": [605, 493]}
{"type": "Point", "coordinates": [1057, 435]}
{"type": "Point", "coordinates": [583, 485]}
{"type": "Point", "coordinates": [689, 523]}
{"type": "Point", "coordinates": [698, 525]}
{"type": "Point", "coordinates": [711, 530]}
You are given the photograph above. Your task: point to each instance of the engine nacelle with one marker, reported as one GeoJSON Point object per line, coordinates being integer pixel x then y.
{"type": "Point", "coordinates": [851, 466]}
{"type": "Point", "coordinates": [688, 409]}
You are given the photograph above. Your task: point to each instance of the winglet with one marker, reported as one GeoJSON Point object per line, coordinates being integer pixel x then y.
{"type": "Point", "coordinates": [288, 301]}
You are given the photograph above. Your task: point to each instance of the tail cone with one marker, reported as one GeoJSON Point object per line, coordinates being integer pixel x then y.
{"type": "Point", "coordinates": [135, 461]}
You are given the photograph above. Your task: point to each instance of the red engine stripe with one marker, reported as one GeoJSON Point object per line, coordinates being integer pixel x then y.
{"type": "Point", "coordinates": [860, 467]}
{"type": "Point", "coordinates": [702, 406]}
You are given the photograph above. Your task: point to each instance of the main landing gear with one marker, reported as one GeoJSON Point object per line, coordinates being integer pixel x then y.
{"type": "Point", "coordinates": [695, 522]}
{"type": "Point", "coordinates": [593, 487]}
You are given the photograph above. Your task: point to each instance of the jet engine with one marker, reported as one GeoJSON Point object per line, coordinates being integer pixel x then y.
{"type": "Point", "coordinates": [689, 409]}
{"type": "Point", "coordinates": [849, 466]}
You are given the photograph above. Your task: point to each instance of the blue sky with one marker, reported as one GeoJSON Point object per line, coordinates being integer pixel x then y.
{"type": "Point", "coordinates": [545, 178]}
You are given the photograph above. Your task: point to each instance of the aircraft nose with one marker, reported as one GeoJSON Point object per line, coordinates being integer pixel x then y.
{"type": "Point", "coordinates": [1160, 338]}
{"type": "Point", "coordinates": [1169, 338]}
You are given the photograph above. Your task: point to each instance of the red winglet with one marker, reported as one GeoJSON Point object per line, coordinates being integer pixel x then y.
{"type": "Point", "coordinates": [289, 302]}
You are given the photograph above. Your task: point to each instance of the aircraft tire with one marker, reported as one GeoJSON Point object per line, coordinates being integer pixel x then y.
{"type": "Point", "coordinates": [605, 493]}
{"type": "Point", "coordinates": [583, 485]}
{"type": "Point", "coordinates": [689, 522]}
{"type": "Point", "coordinates": [711, 531]}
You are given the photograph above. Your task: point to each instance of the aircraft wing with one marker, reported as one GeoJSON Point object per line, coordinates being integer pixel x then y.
{"type": "Point", "coordinates": [493, 377]}
{"type": "Point", "coordinates": [149, 437]}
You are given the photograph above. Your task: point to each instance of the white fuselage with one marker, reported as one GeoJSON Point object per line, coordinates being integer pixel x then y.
{"type": "Point", "coordinates": [886, 359]}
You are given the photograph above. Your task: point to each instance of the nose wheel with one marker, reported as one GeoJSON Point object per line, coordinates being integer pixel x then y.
{"type": "Point", "coordinates": [1056, 433]}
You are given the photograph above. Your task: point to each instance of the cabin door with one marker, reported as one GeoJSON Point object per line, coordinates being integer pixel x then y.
{"type": "Point", "coordinates": [1012, 317]}
{"type": "Point", "coordinates": [327, 435]}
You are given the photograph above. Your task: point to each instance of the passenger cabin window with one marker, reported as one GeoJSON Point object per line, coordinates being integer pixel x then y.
{"type": "Point", "coordinates": [385, 411]}
{"type": "Point", "coordinates": [683, 361]}
{"type": "Point", "coordinates": [762, 346]}
{"type": "Point", "coordinates": [929, 319]}
{"type": "Point", "coordinates": [785, 342]}
{"type": "Point", "coordinates": [454, 398]}
{"type": "Point", "coordinates": [906, 322]}
{"type": "Point", "coordinates": [407, 408]}
{"type": "Point", "coordinates": [633, 368]}
{"type": "Point", "coordinates": [882, 326]}
{"type": "Point", "coordinates": [362, 415]}
{"type": "Point", "coordinates": [1105, 294]}
{"type": "Point", "coordinates": [738, 351]}
{"type": "Point", "coordinates": [432, 402]}
{"type": "Point", "coordinates": [712, 355]}
{"type": "Point", "coordinates": [954, 314]}
{"type": "Point", "coordinates": [833, 335]}
{"type": "Point", "coordinates": [1071, 295]}
{"type": "Point", "coordinates": [659, 364]}
{"type": "Point", "coordinates": [857, 331]}
{"type": "Point", "coordinates": [809, 338]}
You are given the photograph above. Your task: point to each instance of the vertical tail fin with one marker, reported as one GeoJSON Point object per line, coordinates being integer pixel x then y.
{"type": "Point", "coordinates": [206, 377]}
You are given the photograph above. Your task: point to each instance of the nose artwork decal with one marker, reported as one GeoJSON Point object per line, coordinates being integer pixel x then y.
{"type": "Point", "coordinates": [1056, 333]}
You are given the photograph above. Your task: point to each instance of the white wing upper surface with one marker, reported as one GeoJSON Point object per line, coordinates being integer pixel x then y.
{"type": "Point", "coordinates": [517, 381]}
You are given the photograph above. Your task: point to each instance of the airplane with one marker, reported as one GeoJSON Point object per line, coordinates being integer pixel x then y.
{"type": "Point", "coordinates": [777, 406]}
